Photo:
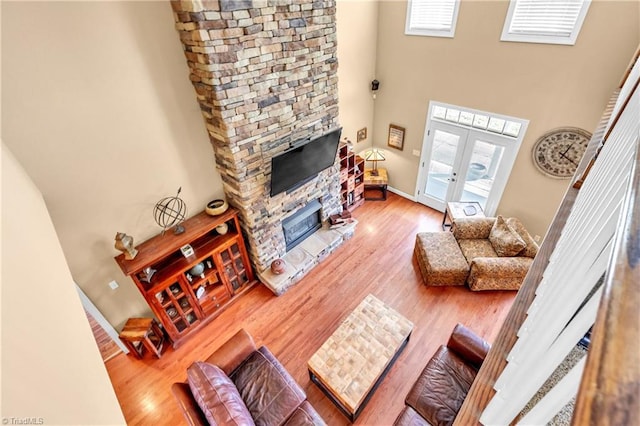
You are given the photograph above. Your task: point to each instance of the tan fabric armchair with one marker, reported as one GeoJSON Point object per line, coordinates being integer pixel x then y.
{"type": "Point", "coordinates": [488, 270]}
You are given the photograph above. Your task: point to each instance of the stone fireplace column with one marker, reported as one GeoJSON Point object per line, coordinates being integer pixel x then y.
{"type": "Point", "coordinates": [265, 75]}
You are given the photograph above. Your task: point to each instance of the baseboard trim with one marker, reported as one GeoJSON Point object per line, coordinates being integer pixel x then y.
{"type": "Point", "coordinates": [402, 194]}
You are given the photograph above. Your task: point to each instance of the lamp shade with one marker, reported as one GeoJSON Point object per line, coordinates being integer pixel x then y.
{"type": "Point", "coordinates": [374, 154]}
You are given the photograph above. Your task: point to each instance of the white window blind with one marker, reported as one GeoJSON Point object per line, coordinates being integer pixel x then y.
{"type": "Point", "coordinates": [435, 18]}
{"type": "Point", "coordinates": [544, 21]}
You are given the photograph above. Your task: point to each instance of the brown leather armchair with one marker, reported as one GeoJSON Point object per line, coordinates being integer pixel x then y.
{"type": "Point", "coordinates": [438, 394]}
{"type": "Point", "coordinates": [265, 391]}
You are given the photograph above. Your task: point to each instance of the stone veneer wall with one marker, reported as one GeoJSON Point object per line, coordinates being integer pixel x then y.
{"type": "Point", "coordinates": [265, 75]}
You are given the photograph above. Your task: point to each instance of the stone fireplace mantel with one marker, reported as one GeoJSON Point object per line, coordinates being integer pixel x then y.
{"type": "Point", "coordinates": [265, 75]}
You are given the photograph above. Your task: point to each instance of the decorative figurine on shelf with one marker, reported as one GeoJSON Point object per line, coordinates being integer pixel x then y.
{"type": "Point", "coordinates": [170, 211]}
{"type": "Point", "coordinates": [349, 143]}
{"type": "Point", "coordinates": [198, 269]}
{"type": "Point", "coordinates": [200, 292]}
{"type": "Point", "coordinates": [222, 229]}
{"type": "Point", "coordinates": [124, 243]}
{"type": "Point", "coordinates": [147, 273]}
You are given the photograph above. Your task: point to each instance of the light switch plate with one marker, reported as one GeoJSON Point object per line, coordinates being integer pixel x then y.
{"type": "Point", "coordinates": [416, 152]}
{"type": "Point", "coordinates": [113, 284]}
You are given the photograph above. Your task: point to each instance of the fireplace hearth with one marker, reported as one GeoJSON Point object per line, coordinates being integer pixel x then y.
{"type": "Point", "coordinates": [310, 251]}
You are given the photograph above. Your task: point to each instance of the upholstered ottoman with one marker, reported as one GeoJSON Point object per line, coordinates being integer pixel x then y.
{"type": "Point", "coordinates": [440, 260]}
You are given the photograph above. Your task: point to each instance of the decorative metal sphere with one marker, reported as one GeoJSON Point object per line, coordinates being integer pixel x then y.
{"type": "Point", "coordinates": [170, 211]}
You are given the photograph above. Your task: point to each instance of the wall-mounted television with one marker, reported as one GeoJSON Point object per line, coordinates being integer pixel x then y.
{"type": "Point", "coordinates": [303, 161]}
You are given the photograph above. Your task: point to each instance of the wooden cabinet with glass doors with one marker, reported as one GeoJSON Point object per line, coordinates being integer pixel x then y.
{"type": "Point", "coordinates": [185, 292]}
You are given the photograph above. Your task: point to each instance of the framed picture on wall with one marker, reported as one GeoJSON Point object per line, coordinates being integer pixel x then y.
{"type": "Point", "coordinates": [361, 135]}
{"type": "Point", "coordinates": [396, 137]}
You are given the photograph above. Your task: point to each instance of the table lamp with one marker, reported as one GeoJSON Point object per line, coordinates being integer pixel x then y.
{"type": "Point", "coordinates": [374, 155]}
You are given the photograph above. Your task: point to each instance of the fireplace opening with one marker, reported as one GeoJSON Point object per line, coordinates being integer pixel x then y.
{"type": "Point", "coordinates": [302, 224]}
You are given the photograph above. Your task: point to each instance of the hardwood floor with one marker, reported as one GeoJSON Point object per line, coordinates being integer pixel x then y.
{"type": "Point", "coordinates": [377, 260]}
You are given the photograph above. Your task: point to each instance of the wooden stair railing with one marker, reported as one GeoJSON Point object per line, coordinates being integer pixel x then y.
{"type": "Point", "coordinates": [609, 392]}
{"type": "Point", "coordinates": [610, 388]}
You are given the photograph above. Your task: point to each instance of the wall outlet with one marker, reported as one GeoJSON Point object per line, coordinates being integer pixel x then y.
{"type": "Point", "coordinates": [536, 238]}
{"type": "Point", "coordinates": [113, 284]}
{"type": "Point", "coordinates": [416, 152]}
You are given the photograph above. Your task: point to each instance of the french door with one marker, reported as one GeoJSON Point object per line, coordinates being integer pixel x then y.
{"type": "Point", "coordinates": [463, 164]}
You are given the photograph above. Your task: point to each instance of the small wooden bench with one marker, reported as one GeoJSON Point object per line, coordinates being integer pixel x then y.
{"type": "Point", "coordinates": [440, 259]}
{"type": "Point", "coordinates": [142, 333]}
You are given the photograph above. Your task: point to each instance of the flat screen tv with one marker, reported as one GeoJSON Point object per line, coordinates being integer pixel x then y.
{"type": "Point", "coordinates": [303, 161]}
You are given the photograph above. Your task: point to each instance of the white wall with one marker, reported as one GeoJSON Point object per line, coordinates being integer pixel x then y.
{"type": "Point", "coordinates": [98, 107]}
{"type": "Point", "coordinates": [51, 366]}
{"type": "Point", "coordinates": [357, 24]}
{"type": "Point", "coordinates": [550, 85]}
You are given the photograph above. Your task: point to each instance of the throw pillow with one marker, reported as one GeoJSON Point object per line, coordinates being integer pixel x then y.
{"type": "Point", "coordinates": [532, 247]}
{"type": "Point", "coordinates": [217, 396]}
{"type": "Point", "coordinates": [505, 241]}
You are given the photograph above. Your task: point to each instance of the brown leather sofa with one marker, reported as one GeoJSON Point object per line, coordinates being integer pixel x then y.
{"type": "Point", "coordinates": [438, 394]}
{"type": "Point", "coordinates": [240, 384]}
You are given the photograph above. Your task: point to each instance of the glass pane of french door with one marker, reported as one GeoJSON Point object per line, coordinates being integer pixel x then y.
{"type": "Point", "coordinates": [444, 152]}
{"type": "Point", "coordinates": [460, 161]}
{"type": "Point", "coordinates": [481, 172]}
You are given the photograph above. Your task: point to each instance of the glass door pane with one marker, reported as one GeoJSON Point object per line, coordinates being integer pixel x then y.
{"type": "Point", "coordinates": [461, 161]}
{"type": "Point", "coordinates": [234, 268]}
{"type": "Point", "coordinates": [177, 306]}
{"type": "Point", "coordinates": [481, 171]}
{"type": "Point", "coordinates": [444, 151]}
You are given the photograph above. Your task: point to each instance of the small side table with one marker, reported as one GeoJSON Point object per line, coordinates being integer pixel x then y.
{"type": "Point", "coordinates": [379, 182]}
{"type": "Point", "coordinates": [456, 210]}
{"type": "Point", "coordinates": [140, 333]}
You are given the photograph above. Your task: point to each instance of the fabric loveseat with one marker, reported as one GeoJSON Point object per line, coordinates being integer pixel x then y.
{"type": "Point", "coordinates": [438, 394]}
{"type": "Point", "coordinates": [499, 251]}
{"type": "Point", "coordinates": [240, 384]}
{"type": "Point", "coordinates": [485, 253]}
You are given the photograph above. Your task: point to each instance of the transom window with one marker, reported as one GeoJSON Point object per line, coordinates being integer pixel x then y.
{"type": "Point", "coordinates": [544, 21]}
{"type": "Point", "coordinates": [436, 18]}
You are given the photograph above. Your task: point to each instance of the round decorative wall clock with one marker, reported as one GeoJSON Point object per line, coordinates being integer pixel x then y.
{"type": "Point", "coordinates": [557, 153]}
